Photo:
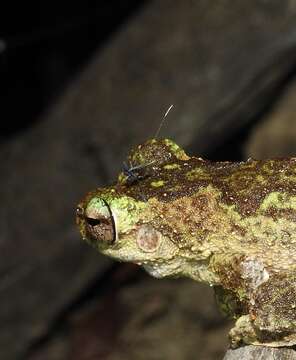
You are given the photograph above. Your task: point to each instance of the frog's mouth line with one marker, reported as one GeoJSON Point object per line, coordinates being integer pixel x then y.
{"type": "Point", "coordinates": [165, 268]}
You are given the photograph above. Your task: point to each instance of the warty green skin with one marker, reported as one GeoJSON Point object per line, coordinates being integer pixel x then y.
{"type": "Point", "coordinates": [231, 225]}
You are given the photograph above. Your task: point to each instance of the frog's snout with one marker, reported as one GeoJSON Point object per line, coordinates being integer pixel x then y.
{"type": "Point", "coordinates": [97, 221]}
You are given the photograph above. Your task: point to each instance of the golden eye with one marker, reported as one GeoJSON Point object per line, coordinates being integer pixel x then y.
{"type": "Point", "coordinates": [99, 222]}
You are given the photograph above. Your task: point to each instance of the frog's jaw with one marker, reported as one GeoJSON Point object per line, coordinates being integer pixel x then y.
{"type": "Point", "coordinates": [143, 245]}
{"type": "Point", "coordinates": [171, 267]}
{"type": "Point", "coordinates": [160, 258]}
{"type": "Point", "coordinates": [122, 228]}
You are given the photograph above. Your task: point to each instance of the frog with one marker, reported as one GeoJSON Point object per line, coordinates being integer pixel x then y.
{"type": "Point", "coordinates": [231, 225]}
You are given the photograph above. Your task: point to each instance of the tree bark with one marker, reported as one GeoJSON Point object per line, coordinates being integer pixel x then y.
{"type": "Point", "coordinates": [252, 352]}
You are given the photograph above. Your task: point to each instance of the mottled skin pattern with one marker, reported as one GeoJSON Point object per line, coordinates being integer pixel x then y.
{"type": "Point", "coordinates": [231, 225]}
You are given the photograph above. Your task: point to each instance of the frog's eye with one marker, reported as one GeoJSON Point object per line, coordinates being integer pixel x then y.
{"type": "Point", "coordinates": [100, 225]}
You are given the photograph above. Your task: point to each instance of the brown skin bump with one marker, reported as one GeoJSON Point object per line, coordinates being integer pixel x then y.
{"type": "Point", "coordinates": [158, 152]}
{"type": "Point", "coordinates": [275, 307]}
{"type": "Point", "coordinates": [229, 272]}
{"type": "Point", "coordinates": [282, 302]}
{"type": "Point", "coordinates": [238, 230]}
{"type": "Point", "coordinates": [274, 213]}
{"type": "Point", "coordinates": [191, 218]}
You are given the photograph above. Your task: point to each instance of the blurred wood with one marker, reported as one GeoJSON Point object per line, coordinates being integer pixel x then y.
{"type": "Point", "coordinates": [251, 352]}
{"type": "Point", "coordinates": [277, 129]}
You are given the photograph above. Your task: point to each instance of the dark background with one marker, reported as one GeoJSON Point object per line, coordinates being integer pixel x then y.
{"type": "Point", "coordinates": [82, 82]}
{"type": "Point", "coordinates": [43, 45]}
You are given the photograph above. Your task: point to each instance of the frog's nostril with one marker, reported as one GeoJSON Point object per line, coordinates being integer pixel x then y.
{"type": "Point", "coordinates": [79, 211]}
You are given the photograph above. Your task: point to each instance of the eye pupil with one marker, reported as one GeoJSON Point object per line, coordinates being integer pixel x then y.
{"type": "Point", "coordinates": [93, 222]}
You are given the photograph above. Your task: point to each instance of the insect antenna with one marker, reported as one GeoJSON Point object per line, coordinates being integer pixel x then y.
{"type": "Point", "coordinates": [163, 120]}
{"type": "Point", "coordinates": [132, 172]}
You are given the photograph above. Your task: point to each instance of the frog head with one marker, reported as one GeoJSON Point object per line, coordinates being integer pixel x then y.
{"type": "Point", "coordinates": [123, 228]}
{"type": "Point", "coordinates": [123, 221]}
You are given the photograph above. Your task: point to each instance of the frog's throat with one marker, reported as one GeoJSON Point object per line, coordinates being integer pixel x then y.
{"type": "Point", "coordinates": [197, 270]}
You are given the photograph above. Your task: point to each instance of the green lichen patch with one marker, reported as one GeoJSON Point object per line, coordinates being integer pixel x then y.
{"type": "Point", "coordinates": [172, 167]}
{"type": "Point", "coordinates": [278, 200]}
{"type": "Point", "coordinates": [178, 152]}
{"type": "Point", "coordinates": [157, 183]}
{"type": "Point", "coordinates": [197, 174]}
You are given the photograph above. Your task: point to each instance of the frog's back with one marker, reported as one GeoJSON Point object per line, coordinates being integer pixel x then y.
{"type": "Point", "coordinates": [248, 190]}
{"type": "Point", "coordinates": [267, 186]}
{"type": "Point", "coordinates": [246, 185]}
{"type": "Point", "coordinates": [261, 199]}
{"type": "Point", "coordinates": [263, 195]}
